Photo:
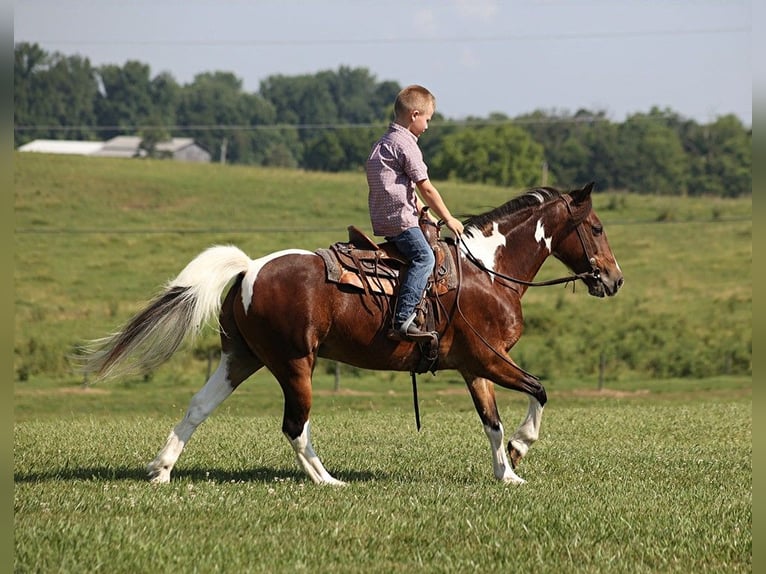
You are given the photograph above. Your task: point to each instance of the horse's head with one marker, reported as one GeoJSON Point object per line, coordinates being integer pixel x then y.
{"type": "Point", "coordinates": [585, 248]}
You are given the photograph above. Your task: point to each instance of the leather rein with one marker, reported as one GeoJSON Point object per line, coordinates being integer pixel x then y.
{"type": "Point", "coordinates": [594, 272]}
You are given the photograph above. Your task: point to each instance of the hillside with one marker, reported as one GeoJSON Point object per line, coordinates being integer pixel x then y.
{"type": "Point", "coordinates": [95, 238]}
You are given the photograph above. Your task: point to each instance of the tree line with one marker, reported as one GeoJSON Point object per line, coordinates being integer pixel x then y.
{"type": "Point", "coordinates": [327, 121]}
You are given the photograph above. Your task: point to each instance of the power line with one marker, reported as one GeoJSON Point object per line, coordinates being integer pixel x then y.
{"type": "Point", "coordinates": [293, 230]}
{"type": "Point", "coordinates": [580, 119]}
{"type": "Point", "coordinates": [404, 40]}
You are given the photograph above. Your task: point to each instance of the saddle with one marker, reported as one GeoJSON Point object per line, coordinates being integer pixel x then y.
{"type": "Point", "coordinates": [372, 267]}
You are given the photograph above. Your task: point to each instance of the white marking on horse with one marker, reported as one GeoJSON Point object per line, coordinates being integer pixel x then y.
{"type": "Point", "coordinates": [529, 430]}
{"type": "Point", "coordinates": [309, 461]}
{"type": "Point", "coordinates": [540, 235]}
{"type": "Point", "coordinates": [500, 464]}
{"type": "Point", "coordinates": [538, 195]}
{"type": "Point", "coordinates": [256, 266]}
{"type": "Point", "coordinates": [482, 247]}
{"type": "Point", "coordinates": [215, 391]}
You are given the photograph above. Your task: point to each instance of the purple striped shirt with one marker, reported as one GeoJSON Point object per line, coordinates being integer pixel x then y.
{"type": "Point", "coordinates": [394, 166]}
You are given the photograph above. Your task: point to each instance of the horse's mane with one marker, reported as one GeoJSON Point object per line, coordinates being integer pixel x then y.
{"type": "Point", "coordinates": [530, 198]}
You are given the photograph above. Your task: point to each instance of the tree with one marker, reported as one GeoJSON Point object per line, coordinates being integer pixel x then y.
{"type": "Point", "coordinates": [52, 92]}
{"type": "Point", "coordinates": [214, 109]}
{"type": "Point", "coordinates": [501, 154]}
{"type": "Point", "coordinates": [651, 158]}
{"type": "Point", "coordinates": [125, 103]}
{"type": "Point", "coordinates": [720, 156]}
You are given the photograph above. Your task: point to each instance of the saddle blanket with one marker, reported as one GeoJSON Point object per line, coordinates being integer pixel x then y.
{"type": "Point", "coordinates": [382, 279]}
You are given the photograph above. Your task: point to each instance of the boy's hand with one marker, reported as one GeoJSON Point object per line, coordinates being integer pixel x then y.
{"type": "Point", "coordinates": [454, 225]}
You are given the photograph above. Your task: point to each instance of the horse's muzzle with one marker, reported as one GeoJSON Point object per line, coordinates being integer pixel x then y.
{"type": "Point", "coordinates": [605, 285]}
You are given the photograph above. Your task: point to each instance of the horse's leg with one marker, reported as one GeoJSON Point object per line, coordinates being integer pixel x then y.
{"type": "Point", "coordinates": [295, 380]}
{"type": "Point", "coordinates": [221, 384]}
{"type": "Point", "coordinates": [483, 395]}
{"type": "Point", "coordinates": [527, 433]}
{"type": "Point", "coordinates": [237, 363]}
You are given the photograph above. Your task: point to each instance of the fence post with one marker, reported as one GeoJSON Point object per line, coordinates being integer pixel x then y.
{"type": "Point", "coordinates": [601, 369]}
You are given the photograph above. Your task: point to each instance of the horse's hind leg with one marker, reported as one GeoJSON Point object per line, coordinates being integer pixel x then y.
{"type": "Point", "coordinates": [295, 380]}
{"type": "Point", "coordinates": [527, 433]}
{"type": "Point", "coordinates": [229, 374]}
{"type": "Point", "coordinates": [483, 395]}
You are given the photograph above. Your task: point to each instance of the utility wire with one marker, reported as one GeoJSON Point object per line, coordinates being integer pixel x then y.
{"type": "Point", "coordinates": [404, 40]}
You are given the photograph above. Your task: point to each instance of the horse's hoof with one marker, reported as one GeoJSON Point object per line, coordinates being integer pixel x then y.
{"type": "Point", "coordinates": [514, 479]}
{"type": "Point", "coordinates": [158, 475]}
{"type": "Point", "coordinates": [515, 456]}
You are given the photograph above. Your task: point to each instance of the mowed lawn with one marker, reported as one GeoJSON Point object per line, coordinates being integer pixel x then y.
{"type": "Point", "coordinates": [619, 482]}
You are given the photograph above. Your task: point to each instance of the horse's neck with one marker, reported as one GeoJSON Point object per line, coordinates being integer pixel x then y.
{"type": "Point", "coordinates": [528, 243]}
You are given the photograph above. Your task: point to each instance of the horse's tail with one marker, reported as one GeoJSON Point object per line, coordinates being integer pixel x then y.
{"type": "Point", "coordinates": [184, 306]}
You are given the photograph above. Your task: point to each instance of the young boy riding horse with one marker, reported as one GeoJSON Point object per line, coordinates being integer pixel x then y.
{"type": "Point", "coordinates": [395, 169]}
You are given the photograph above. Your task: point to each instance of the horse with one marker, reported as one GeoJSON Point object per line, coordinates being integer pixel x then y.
{"type": "Point", "coordinates": [281, 313]}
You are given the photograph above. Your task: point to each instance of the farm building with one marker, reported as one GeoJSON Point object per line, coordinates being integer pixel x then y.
{"type": "Point", "coordinates": [180, 149]}
{"type": "Point", "coordinates": [70, 147]}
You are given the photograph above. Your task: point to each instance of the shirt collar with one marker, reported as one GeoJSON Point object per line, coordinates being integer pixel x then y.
{"type": "Point", "coordinates": [399, 128]}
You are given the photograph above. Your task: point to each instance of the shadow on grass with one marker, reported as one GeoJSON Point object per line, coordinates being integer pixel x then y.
{"type": "Point", "coordinates": [260, 474]}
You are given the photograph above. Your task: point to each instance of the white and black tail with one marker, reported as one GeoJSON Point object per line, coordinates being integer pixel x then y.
{"type": "Point", "coordinates": [186, 304]}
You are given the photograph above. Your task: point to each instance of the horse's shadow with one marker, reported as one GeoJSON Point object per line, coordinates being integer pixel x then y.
{"type": "Point", "coordinates": [130, 473]}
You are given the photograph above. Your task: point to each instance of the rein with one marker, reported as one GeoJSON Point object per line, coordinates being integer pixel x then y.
{"type": "Point", "coordinates": [595, 272]}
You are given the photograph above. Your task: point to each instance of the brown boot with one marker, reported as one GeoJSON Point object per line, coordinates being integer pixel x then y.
{"type": "Point", "coordinates": [409, 331]}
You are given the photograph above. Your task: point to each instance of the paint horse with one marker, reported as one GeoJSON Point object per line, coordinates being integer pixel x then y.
{"type": "Point", "coordinates": [281, 313]}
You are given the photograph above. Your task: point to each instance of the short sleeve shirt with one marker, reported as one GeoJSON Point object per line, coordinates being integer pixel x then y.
{"type": "Point", "coordinates": [394, 166]}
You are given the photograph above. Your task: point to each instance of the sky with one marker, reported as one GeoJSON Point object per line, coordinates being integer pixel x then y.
{"type": "Point", "coordinates": [478, 57]}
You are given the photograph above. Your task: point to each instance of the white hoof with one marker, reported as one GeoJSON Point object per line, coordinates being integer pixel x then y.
{"type": "Point", "coordinates": [513, 478]}
{"type": "Point", "coordinates": [334, 482]}
{"type": "Point", "coordinates": [158, 474]}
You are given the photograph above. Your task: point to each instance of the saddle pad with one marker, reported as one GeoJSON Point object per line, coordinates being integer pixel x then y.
{"type": "Point", "coordinates": [336, 273]}
{"type": "Point", "coordinates": [446, 275]}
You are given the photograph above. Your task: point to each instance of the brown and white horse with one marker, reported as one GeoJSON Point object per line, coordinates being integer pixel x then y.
{"type": "Point", "coordinates": [281, 313]}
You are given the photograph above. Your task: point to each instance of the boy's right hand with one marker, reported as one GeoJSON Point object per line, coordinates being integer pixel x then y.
{"type": "Point", "coordinates": [455, 226]}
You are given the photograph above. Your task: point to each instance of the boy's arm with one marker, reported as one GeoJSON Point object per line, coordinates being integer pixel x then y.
{"type": "Point", "coordinates": [433, 199]}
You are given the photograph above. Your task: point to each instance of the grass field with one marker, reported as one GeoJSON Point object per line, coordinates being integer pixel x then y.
{"type": "Point", "coordinates": [616, 484]}
{"type": "Point", "coordinates": [651, 473]}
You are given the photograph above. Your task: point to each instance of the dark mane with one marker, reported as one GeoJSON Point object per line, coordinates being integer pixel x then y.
{"type": "Point", "coordinates": [527, 199]}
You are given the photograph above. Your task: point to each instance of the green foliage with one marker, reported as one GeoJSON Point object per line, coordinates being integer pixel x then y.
{"type": "Point", "coordinates": [502, 155]}
{"type": "Point", "coordinates": [327, 122]}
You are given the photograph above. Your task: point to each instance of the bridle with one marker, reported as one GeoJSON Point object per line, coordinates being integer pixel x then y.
{"type": "Point", "coordinates": [594, 273]}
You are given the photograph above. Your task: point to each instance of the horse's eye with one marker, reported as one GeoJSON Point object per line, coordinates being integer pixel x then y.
{"type": "Point", "coordinates": [598, 230]}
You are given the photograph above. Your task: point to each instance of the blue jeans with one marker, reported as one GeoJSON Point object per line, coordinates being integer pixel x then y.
{"type": "Point", "coordinates": [413, 278]}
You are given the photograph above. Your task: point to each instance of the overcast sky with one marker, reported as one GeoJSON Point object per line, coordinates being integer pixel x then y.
{"type": "Point", "coordinates": [477, 56]}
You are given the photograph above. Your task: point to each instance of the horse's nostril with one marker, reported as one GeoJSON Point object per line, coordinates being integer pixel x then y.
{"type": "Point", "coordinates": [620, 281]}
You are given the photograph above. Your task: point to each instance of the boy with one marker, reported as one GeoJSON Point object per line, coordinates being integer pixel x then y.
{"type": "Point", "coordinates": [395, 168]}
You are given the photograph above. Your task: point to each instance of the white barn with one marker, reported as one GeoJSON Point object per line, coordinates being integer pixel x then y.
{"type": "Point", "coordinates": [179, 149]}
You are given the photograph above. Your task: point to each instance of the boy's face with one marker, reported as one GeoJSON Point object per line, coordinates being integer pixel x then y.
{"type": "Point", "coordinates": [419, 120]}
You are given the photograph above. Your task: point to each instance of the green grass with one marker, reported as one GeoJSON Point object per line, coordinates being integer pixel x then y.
{"type": "Point", "coordinates": [613, 486]}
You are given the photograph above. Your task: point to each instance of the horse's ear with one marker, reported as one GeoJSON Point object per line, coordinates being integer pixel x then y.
{"type": "Point", "coordinates": [582, 194]}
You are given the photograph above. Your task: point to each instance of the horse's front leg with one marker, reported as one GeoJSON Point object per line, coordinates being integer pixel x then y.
{"type": "Point", "coordinates": [483, 395]}
{"type": "Point", "coordinates": [527, 433]}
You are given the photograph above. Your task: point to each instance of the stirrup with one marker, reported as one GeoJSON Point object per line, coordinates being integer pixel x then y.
{"type": "Point", "coordinates": [410, 332]}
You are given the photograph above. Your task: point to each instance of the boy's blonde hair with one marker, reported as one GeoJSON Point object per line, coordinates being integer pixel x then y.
{"type": "Point", "coordinates": [413, 98]}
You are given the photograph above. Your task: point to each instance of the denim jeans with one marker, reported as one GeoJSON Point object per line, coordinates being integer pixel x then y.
{"type": "Point", "coordinates": [413, 278]}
